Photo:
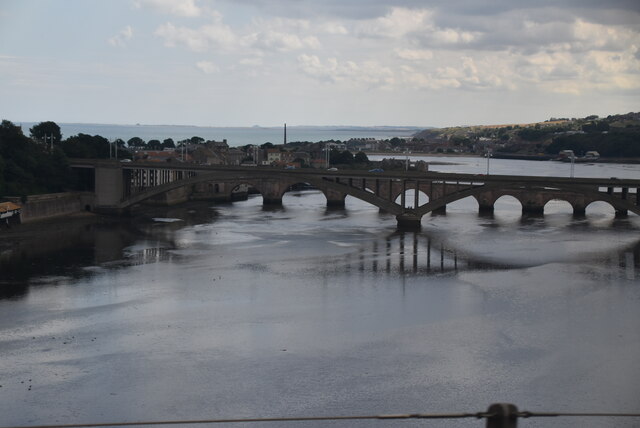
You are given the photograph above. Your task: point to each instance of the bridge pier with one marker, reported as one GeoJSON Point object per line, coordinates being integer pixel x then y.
{"type": "Point", "coordinates": [621, 213]}
{"type": "Point", "coordinates": [485, 209]}
{"type": "Point", "coordinates": [440, 211]}
{"type": "Point", "coordinates": [109, 186]}
{"type": "Point", "coordinates": [335, 199]}
{"type": "Point", "coordinates": [579, 209]}
{"type": "Point", "coordinates": [529, 208]}
{"type": "Point", "coordinates": [272, 201]}
{"type": "Point", "coordinates": [408, 222]}
{"type": "Point", "coordinates": [486, 202]}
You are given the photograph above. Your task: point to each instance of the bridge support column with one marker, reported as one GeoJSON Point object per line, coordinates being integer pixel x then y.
{"type": "Point", "coordinates": [108, 188]}
{"type": "Point", "coordinates": [486, 203]}
{"type": "Point", "coordinates": [440, 211]}
{"type": "Point", "coordinates": [532, 209]}
{"type": "Point", "coordinates": [335, 199]}
{"type": "Point", "coordinates": [485, 209]}
{"type": "Point", "coordinates": [579, 210]}
{"type": "Point", "coordinates": [408, 222]}
{"type": "Point", "coordinates": [272, 192]}
{"type": "Point", "coordinates": [272, 201]}
{"type": "Point", "coordinates": [621, 212]}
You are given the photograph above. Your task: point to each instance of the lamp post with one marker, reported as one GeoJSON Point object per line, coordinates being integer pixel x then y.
{"type": "Point", "coordinates": [488, 157]}
{"type": "Point", "coordinates": [327, 154]}
{"type": "Point", "coordinates": [573, 159]}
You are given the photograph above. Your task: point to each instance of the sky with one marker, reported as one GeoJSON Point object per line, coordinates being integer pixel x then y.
{"type": "Point", "coordinates": [317, 62]}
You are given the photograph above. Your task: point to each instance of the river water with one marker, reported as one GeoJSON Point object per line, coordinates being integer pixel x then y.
{"type": "Point", "coordinates": [233, 310]}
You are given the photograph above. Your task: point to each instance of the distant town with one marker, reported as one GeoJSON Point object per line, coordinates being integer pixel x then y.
{"type": "Point", "coordinates": [610, 137]}
{"type": "Point", "coordinates": [38, 162]}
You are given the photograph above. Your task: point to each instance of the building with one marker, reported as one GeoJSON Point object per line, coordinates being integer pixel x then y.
{"type": "Point", "coordinates": [9, 213]}
{"type": "Point", "coordinates": [273, 156]}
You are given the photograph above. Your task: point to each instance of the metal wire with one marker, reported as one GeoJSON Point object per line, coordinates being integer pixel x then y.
{"type": "Point", "coordinates": [275, 419]}
{"type": "Point", "coordinates": [479, 415]}
{"type": "Point", "coordinates": [525, 414]}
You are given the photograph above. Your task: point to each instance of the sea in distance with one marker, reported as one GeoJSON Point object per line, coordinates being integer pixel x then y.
{"type": "Point", "coordinates": [235, 136]}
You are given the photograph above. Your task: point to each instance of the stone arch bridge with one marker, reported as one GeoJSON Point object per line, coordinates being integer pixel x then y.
{"type": "Point", "coordinates": [120, 185]}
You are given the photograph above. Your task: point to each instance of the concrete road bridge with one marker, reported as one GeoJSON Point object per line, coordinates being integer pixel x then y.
{"type": "Point", "coordinates": [120, 185]}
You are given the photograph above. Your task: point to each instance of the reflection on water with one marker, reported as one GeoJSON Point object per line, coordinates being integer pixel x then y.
{"type": "Point", "coordinates": [165, 235]}
{"type": "Point", "coordinates": [417, 253]}
{"type": "Point", "coordinates": [72, 249]}
{"type": "Point", "coordinates": [404, 253]}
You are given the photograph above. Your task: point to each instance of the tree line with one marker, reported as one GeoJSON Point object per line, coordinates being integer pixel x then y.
{"type": "Point", "coordinates": [28, 166]}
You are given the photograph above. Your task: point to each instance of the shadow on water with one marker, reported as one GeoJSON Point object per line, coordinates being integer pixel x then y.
{"type": "Point", "coordinates": [61, 251]}
{"type": "Point", "coordinates": [40, 254]}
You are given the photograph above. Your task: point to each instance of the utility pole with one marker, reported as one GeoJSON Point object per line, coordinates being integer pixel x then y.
{"type": "Point", "coordinates": [285, 134]}
{"type": "Point", "coordinates": [327, 154]}
{"type": "Point", "coordinates": [573, 159]}
{"type": "Point", "coordinates": [50, 144]}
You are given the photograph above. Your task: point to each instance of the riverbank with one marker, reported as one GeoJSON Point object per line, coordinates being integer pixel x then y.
{"type": "Point", "coordinates": [16, 233]}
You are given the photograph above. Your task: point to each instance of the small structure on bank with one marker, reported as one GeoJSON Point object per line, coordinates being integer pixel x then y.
{"type": "Point", "coordinates": [9, 213]}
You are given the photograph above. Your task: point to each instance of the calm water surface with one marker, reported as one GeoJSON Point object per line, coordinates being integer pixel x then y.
{"type": "Point", "coordinates": [234, 310]}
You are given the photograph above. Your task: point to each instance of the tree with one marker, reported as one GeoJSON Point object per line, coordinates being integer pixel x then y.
{"type": "Point", "coordinates": [86, 146]}
{"type": "Point", "coordinates": [136, 142]}
{"type": "Point", "coordinates": [361, 157]}
{"type": "Point", "coordinates": [154, 145]}
{"type": "Point", "coordinates": [600, 126]}
{"type": "Point", "coordinates": [196, 140]}
{"type": "Point", "coordinates": [395, 142]}
{"type": "Point", "coordinates": [2, 181]}
{"type": "Point", "coordinates": [27, 167]}
{"type": "Point", "coordinates": [43, 131]}
{"type": "Point", "coordinates": [168, 144]}
{"type": "Point", "coordinates": [341, 158]}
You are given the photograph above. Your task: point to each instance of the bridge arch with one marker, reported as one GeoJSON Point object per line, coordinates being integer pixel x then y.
{"type": "Point", "coordinates": [507, 202]}
{"type": "Point", "coordinates": [467, 204]}
{"type": "Point", "coordinates": [560, 206]}
{"type": "Point", "coordinates": [600, 206]}
{"type": "Point", "coordinates": [239, 190]}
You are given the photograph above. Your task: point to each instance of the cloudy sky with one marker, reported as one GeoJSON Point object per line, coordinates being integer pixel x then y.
{"type": "Point", "coordinates": [317, 62]}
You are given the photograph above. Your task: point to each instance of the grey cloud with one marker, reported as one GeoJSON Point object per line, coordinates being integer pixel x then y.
{"type": "Point", "coordinates": [367, 9]}
{"type": "Point", "coordinates": [529, 30]}
{"type": "Point", "coordinates": [495, 24]}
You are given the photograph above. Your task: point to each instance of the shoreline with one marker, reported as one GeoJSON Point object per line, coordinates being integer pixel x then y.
{"type": "Point", "coordinates": [12, 236]}
{"type": "Point", "coordinates": [397, 155]}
